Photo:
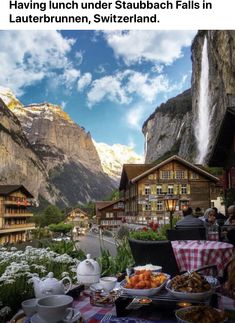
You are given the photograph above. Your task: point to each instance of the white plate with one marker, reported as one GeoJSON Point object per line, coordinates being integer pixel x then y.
{"type": "Point", "coordinates": [148, 267]}
{"type": "Point", "coordinates": [143, 292]}
{"type": "Point", "coordinates": [188, 296]}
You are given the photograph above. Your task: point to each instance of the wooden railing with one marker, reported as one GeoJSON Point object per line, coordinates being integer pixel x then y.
{"type": "Point", "coordinates": [16, 226]}
{"type": "Point", "coordinates": [18, 215]}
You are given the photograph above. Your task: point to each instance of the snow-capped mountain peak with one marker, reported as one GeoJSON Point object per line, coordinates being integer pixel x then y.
{"type": "Point", "coordinates": [113, 157]}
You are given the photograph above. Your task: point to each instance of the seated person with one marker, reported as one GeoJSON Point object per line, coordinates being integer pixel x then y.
{"type": "Point", "coordinates": [220, 218]}
{"type": "Point", "coordinates": [231, 213]}
{"type": "Point", "coordinates": [210, 222]}
{"type": "Point", "coordinates": [189, 220]}
{"type": "Point", "coordinates": [211, 225]}
{"type": "Point", "coordinates": [198, 212]}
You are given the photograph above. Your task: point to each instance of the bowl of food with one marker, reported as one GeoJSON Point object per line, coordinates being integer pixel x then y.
{"type": "Point", "coordinates": [200, 314]}
{"type": "Point", "coordinates": [192, 286]}
{"type": "Point", "coordinates": [144, 283]}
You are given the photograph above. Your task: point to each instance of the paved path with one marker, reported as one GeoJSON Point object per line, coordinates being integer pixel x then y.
{"type": "Point", "coordinates": [91, 243]}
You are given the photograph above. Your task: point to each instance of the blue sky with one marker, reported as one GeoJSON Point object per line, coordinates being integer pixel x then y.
{"type": "Point", "coordinates": [108, 82]}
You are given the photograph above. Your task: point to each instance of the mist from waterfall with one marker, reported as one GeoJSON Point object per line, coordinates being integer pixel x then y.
{"type": "Point", "coordinates": [202, 129]}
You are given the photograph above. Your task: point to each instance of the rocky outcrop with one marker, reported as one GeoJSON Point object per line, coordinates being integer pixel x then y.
{"type": "Point", "coordinates": [63, 155]}
{"type": "Point", "coordinates": [221, 56]}
{"type": "Point", "coordinates": [169, 129]}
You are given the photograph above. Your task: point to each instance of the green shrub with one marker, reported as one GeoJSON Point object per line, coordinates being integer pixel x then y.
{"type": "Point", "coordinates": [147, 235]}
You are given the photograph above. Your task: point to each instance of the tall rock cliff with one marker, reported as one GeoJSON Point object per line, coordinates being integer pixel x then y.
{"type": "Point", "coordinates": [19, 164]}
{"type": "Point", "coordinates": [65, 150]}
{"type": "Point", "coordinates": [169, 129]}
{"type": "Point", "coordinates": [221, 57]}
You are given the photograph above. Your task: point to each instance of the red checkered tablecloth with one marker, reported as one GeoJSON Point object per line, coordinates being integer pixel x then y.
{"type": "Point", "coordinates": [92, 314]}
{"type": "Point", "coordinates": [191, 255]}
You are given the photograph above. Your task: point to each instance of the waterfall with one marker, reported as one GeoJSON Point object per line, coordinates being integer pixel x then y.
{"type": "Point", "coordinates": [146, 145]}
{"type": "Point", "coordinates": [202, 130]}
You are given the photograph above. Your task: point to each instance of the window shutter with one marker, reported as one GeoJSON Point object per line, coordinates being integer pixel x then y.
{"type": "Point", "coordinates": [143, 207]}
{"type": "Point", "coordinates": [171, 174]}
{"type": "Point", "coordinates": [175, 189]}
{"type": "Point", "coordinates": [186, 174]}
{"type": "Point", "coordinates": [188, 189]}
{"type": "Point", "coordinates": [160, 174]}
{"type": "Point", "coordinates": [164, 188]}
{"type": "Point", "coordinates": [153, 206]}
{"type": "Point", "coordinates": [142, 189]}
{"type": "Point", "coordinates": [153, 189]}
{"type": "Point", "coordinates": [180, 189]}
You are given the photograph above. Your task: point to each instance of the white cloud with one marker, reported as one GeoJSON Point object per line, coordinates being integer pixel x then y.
{"type": "Point", "coordinates": [84, 81]}
{"type": "Point", "coordinates": [69, 77]}
{"type": "Point", "coordinates": [109, 88]}
{"type": "Point", "coordinates": [29, 56]}
{"type": "Point", "coordinates": [121, 87]}
{"type": "Point", "coordinates": [79, 57]}
{"type": "Point", "coordinates": [100, 69]}
{"type": "Point", "coordinates": [135, 115]}
{"type": "Point", "coordinates": [151, 45]}
{"type": "Point", "coordinates": [148, 87]}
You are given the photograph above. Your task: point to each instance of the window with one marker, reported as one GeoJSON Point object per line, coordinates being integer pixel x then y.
{"type": "Point", "coordinates": [152, 176]}
{"type": "Point", "coordinates": [147, 190]}
{"type": "Point", "coordinates": [159, 189]}
{"type": "Point", "coordinates": [170, 189]}
{"type": "Point", "coordinates": [180, 174]}
{"type": "Point", "coordinates": [148, 207]}
{"type": "Point", "coordinates": [194, 175]}
{"type": "Point", "coordinates": [109, 215]}
{"type": "Point", "coordinates": [159, 205]}
{"type": "Point", "coordinates": [166, 174]}
{"type": "Point", "coordinates": [183, 189]}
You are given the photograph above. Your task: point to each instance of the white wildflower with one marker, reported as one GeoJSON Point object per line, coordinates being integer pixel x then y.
{"type": "Point", "coordinates": [4, 311]}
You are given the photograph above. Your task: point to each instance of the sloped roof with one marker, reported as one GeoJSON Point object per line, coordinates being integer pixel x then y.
{"type": "Point", "coordinates": [77, 209]}
{"type": "Point", "coordinates": [101, 204]}
{"type": "Point", "coordinates": [130, 171]}
{"type": "Point", "coordinates": [110, 204]}
{"type": "Point", "coordinates": [8, 189]}
{"type": "Point", "coordinates": [180, 160]}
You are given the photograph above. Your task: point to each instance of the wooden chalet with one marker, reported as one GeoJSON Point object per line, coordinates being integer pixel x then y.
{"type": "Point", "coordinates": [144, 188]}
{"type": "Point", "coordinates": [15, 201]}
{"type": "Point", "coordinates": [110, 214]}
{"type": "Point", "coordinates": [78, 218]}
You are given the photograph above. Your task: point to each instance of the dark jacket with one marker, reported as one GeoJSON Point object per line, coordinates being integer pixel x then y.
{"type": "Point", "coordinates": [190, 221]}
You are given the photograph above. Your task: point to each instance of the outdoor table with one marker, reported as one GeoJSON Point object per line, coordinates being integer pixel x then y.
{"type": "Point", "coordinates": [95, 314]}
{"type": "Point", "coordinates": [193, 254]}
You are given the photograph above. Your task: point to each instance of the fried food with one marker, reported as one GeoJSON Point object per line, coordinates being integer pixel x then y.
{"type": "Point", "coordinates": [202, 314]}
{"type": "Point", "coordinates": [145, 279]}
{"type": "Point", "coordinates": [190, 283]}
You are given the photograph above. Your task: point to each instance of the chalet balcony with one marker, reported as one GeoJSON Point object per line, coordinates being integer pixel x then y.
{"type": "Point", "coordinates": [17, 227]}
{"type": "Point", "coordinates": [17, 215]}
{"type": "Point", "coordinates": [13, 200]}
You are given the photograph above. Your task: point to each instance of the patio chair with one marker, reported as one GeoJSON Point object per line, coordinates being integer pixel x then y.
{"type": "Point", "coordinates": [231, 236]}
{"type": "Point", "coordinates": [186, 234]}
{"type": "Point", "coordinates": [159, 253]}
